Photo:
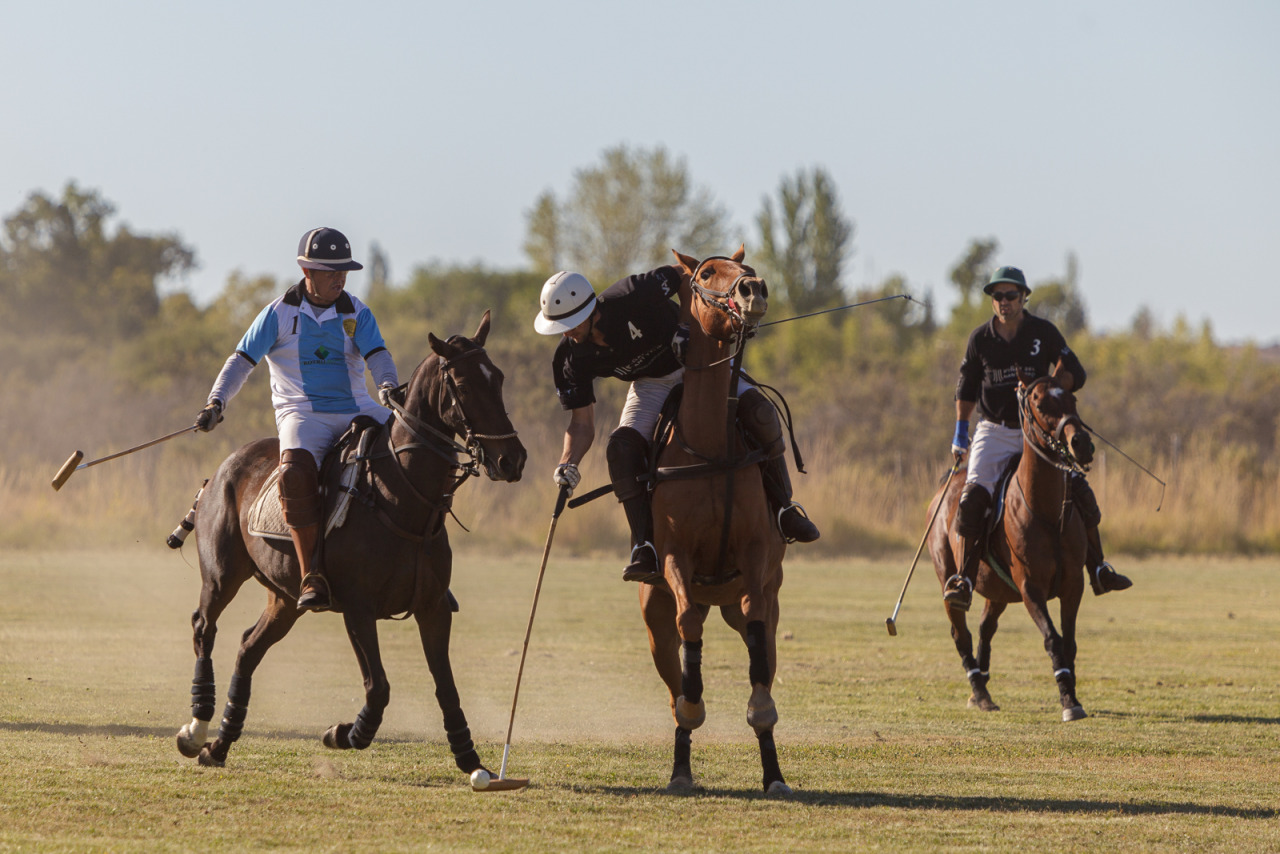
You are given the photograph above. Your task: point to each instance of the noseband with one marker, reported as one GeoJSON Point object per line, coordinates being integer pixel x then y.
{"type": "Point", "coordinates": [722, 301]}
{"type": "Point", "coordinates": [1045, 441]}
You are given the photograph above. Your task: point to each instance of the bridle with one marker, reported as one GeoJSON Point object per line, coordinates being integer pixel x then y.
{"type": "Point", "coordinates": [1048, 444]}
{"type": "Point", "coordinates": [723, 302]}
{"type": "Point", "coordinates": [470, 446]}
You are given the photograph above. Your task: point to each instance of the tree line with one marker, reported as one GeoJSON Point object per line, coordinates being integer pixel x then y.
{"type": "Point", "coordinates": [100, 342]}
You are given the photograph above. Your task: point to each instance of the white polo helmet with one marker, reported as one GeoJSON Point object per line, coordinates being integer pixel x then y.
{"type": "Point", "coordinates": [567, 300]}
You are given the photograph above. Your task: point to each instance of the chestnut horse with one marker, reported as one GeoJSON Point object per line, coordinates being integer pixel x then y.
{"type": "Point", "coordinates": [391, 556]}
{"type": "Point", "coordinates": [716, 540]}
{"type": "Point", "coordinates": [1037, 551]}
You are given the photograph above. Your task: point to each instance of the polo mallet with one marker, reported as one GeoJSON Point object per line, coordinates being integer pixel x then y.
{"type": "Point", "coordinates": [73, 465]}
{"type": "Point", "coordinates": [503, 783]}
{"type": "Point", "coordinates": [891, 623]}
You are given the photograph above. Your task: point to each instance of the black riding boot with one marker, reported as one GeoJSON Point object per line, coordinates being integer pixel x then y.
{"type": "Point", "coordinates": [1103, 577]}
{"type": "Point", "coordinates": [971, 517]}
{"type": "Point", "coordinates": [303, 514]}
{"type": "Point", "coordinates": [760, 419]}
{"type": "Point", "coordinates": [628, 455]}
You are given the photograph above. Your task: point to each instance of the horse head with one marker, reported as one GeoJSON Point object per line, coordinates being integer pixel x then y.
{"type": "Point", "coordinates": [726, 296]}
{"type": "Point", "coordinates": [465, 393]}
{"type": "Point", "coordinates": [1050, 421]}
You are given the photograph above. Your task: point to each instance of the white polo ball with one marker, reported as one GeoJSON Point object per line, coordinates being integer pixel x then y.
{"type": "Point", "coordinates": [479, 779]}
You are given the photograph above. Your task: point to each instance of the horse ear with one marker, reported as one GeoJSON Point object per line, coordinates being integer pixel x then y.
{"type": "Point", "coordinates": [1025, 375]}
{"type": "Point", "coordinates": [740, 254]}
{"type": "Point", "coordinates": [483, 332]}
{"type": "Point", "coordinates": [687, 262]}
{"type": "Point", "coordinates": [443, 349]}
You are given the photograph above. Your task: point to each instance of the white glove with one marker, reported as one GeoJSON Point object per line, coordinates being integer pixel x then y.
{"type": "Point", "coordinates": [567, 475]}
{"type": "Point", "coordinates": [384, 394]}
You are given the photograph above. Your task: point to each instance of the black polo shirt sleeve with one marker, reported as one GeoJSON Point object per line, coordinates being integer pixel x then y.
{"type": "Point", "coordinates": [573, 377]}
{"type": "Point", "coordinates": [969, 385]}
{"type": "Point", "coordinates": [1070, 360]}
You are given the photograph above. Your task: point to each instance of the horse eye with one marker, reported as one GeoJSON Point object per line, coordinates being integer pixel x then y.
{"type": "Point", "coordinates": [706, 274]}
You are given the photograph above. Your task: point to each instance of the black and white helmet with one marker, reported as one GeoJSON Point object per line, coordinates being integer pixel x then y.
{"type": "Point", "coordinates": [567, 300]}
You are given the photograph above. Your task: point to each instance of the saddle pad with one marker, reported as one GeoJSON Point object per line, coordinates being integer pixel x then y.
{"type": "Point", "coordinates": [266, 516]}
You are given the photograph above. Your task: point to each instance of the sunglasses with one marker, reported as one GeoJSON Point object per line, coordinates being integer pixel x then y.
{"type": "Point", "coordinates": [1005, 296]}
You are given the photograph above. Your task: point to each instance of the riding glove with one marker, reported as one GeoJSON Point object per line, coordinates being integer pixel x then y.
{"type": "Point", "coordinates": [567, 475]}
{"type": "Point", "coordinates": [210, 416]}
{"type": "Point", "coordinates": [680, 343]}
{"type": "Point", "coordinates": [960, 442]}
{"type": "Point", "coordinates": [384, 394]}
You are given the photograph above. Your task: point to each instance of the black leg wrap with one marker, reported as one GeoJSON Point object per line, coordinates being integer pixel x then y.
{"type": "Point", "coordinates": [759, 656]}
{"type": "Point", "coordinates": [680, 765]}
{"type": "Point", "coordinates": [237, 707]}
{"type": "Point", "coordinates": [464, 750]}
{"type": "Point", "coordinates": [769, 758]}
{"type": "Point", "coordinates": [204, 693]}
{"type": "Point", "coordinates": [691, 671]}
{"type": "Point", "coordinates": [365, 728]}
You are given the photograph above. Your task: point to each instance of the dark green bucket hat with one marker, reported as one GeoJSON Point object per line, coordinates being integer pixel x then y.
{"type": "Point", "coordinates": [1012, 275]}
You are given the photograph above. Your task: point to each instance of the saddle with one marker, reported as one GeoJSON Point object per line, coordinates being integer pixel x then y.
{"type": "Point", "coordinates": [340, 474]}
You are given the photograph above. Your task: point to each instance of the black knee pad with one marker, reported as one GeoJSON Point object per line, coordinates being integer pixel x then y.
{"type": "Point", "coordinates": [628, 456]}
{"type": "Point", "coordinates": [1086, 501]}
{"type": "Point", "coordinates": [974, 504]}
{"type": "Point", "coordinates": [758, 415]}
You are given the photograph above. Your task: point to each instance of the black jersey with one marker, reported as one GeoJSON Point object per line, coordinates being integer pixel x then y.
{"type": "Point", "coordinates": [989, 372]}
{"type": "Point", "coordinates": [637, 319]}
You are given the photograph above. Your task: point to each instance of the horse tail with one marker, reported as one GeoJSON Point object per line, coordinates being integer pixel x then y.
{"type": "Point", "coordinates": [188, 523]}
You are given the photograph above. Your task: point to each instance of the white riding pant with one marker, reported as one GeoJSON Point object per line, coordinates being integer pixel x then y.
{"type": "Point", "coordinates": [644, 401]}
{"type": "Point", "coordinates": [992, 447]}
{"type": "Point", "coordinates": [317, 431]}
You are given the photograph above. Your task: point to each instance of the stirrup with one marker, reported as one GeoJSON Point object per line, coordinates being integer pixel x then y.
{"type": "Point", "coordinates": [643, 566]}
{"type": "Point", "coordinates": [314, 593]}
{"type": "Point", "coordinates": [808, 531]}
{"type": "Point", "coordinates": [1104, 579]}
{"type": "Point", "coordinates": [958, 594]}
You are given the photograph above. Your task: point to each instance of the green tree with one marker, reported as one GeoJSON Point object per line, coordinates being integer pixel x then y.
{"type": "Point", "coordinates": [623, 216]}
{"type": "Point", "coordinates": [970, 275]}
{"type": "Point", "coordinates": [805, 240]}
{"type": "Point", "coordinates": [1060, 302]}
{"type": "Point", "coordinates": [66, 269]}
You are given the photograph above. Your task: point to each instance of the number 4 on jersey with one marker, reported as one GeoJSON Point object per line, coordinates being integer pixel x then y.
{"type": "Point", "coordinates": [635, 333]}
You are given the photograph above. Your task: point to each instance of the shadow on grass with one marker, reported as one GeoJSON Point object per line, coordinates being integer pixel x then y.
{"type": "Point", "coordinates": [958, 803]}
{"type": "Point", "coordinates": [128, 731]}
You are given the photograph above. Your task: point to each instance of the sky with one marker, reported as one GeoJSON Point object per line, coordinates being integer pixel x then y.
{"type": "Point", "coordinates": [1143, 137]}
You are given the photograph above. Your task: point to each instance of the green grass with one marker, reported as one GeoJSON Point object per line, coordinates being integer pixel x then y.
{"type": "Point", "coordinates": [1181, 751]}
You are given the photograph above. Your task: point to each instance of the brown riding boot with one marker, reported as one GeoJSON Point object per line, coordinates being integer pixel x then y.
{"type": "Point", "coordinates": [300, 500]}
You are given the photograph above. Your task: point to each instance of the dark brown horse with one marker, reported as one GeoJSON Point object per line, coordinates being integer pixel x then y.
{"type": "Point", "coordinates": [1037, 551]}
{"type": "Point", "coordinates": [391, 556]}
{"type": "Point", "coordinates": [716, 540]}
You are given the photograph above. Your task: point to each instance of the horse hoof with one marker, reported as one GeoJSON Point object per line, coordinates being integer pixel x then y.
{"type": "Point", "coordinates": [1074, 713]}
{"type": "Point", "coordinates": [690, 715]}
{"type": "Point", "coordinates": [187, 747]}
{"type": "Point", "coordinates": [208, 760]}
{"type": "Point", "coordinates": [336, 737]}
{"type": "Point", "coordinates": [986, 704]}
{"type": "Point", "coordinates": [680, 785]}
{"type": "Point", "coordinates": [778, 788]}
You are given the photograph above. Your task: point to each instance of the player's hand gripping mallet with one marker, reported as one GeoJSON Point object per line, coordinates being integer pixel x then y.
{"type": "Point", "coordinates": [502, 783]}
{"type": "Point", "coordinates": [73, 465]}
{"type": "Point", "coordinates": [892, 622]}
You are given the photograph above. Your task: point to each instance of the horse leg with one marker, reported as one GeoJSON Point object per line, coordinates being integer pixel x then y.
{"type": "Point", "coordinates": [274, 624]}
{"type": "Point", "coordinates": [1053, 645]}
{"type": "Point", "coordinates": [963, 640]}
{"type": "Point", "coordinates": [981, 697]}
{"type": "Point", "coordinates": [362, 631]}
{"type": "Point", "coordinates": [659, 611]}
{"type": "Point", "coordinates": [762, 715]}
{"type": "Point", "coordinates": [434, 626]}
{"type": "Point", "coordinates": [204, 695]}
{"type": "Point", "coordinates": [1069, 609]}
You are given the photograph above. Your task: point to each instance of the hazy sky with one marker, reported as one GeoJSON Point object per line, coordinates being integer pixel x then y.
{"type": "Point", "coordinates": [1142, 136]}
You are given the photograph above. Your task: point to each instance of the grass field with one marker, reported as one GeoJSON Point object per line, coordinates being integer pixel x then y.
{"type": "Point", "coordinates": [1180, 676]}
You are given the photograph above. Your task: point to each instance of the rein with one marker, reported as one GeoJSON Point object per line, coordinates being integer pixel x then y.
{"type": "Point", "coordinates": [1045, 442]}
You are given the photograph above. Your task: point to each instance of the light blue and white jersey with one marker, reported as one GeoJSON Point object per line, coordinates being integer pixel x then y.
{"type": "Point", "coordinates": [317, 356]}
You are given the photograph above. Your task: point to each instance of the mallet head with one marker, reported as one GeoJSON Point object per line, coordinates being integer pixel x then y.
{"type": "Point", "coordinates": [891, 626]}
{"type": "Point", "coordinates": [68, 468]}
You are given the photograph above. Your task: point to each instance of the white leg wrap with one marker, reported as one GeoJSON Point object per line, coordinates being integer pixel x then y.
{"type": "Point", "coordinates": [973, 671]}
{"type": "Point", "coordinates": [1058, 673]}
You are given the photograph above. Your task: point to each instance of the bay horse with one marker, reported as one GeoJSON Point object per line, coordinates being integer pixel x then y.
{"type": "Point", "coordinates": [1037, 550]}
{"type": "Point", "coordinates": [716, 540]}
{"type": "Point", "coordinates": [391, 556]}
